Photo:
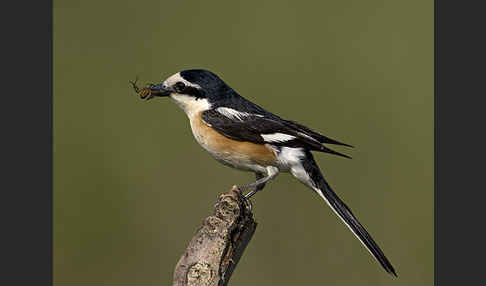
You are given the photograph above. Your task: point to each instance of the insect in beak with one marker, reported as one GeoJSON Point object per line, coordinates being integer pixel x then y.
{"type": "Point", "coordinates": [150, 90]}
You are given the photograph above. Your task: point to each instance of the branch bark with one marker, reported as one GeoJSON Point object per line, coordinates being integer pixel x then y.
{"type": "Point", "coordinates": [218, 245]}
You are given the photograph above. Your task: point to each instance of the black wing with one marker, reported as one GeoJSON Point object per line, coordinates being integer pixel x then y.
{"type": "Point", "coordinates": [260, 129]}
{"type": "Point", "coordinates": [243, 104]}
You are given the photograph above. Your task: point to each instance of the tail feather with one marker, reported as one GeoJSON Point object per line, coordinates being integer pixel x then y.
{"type": "Point", "coordinates": [339, 207]}
{"type": "Point", "coordinates": [330, 151]}
{"type": "Point", "coordinates": [328, 140]}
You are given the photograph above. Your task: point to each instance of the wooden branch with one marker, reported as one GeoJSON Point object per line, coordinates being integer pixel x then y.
{"type": "Point", "coordinates": [218, 245]}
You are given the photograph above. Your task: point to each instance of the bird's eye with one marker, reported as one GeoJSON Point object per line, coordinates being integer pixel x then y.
{"type": "Point", "coordinates": [179, 86]}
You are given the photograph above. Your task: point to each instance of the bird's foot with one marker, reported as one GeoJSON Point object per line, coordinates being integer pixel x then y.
{"type": "Point", "coordinates": [250, 193]}
{"type": "Point", "coordinates": [245, 197]}
{"type": "Point", "coordinates": [248, 203]}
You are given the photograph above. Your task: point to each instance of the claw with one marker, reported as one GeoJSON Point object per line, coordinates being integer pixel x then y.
{"type": "Point", "coordinates": [248, 203]}
{"type": "Point", "coordinates": [246, 200]}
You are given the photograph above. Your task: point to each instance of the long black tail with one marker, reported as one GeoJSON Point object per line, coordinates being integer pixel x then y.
{"type": "Point", "coordinates": [340, 208]}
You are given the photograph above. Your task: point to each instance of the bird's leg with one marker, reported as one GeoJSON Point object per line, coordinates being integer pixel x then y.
{"type": "Point", "coordinates": [259, 177]}
{"type": "Point", "coordinates": [259, 184]}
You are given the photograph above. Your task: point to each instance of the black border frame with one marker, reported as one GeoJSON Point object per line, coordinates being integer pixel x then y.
{"type": "Point", "coordinates": [26, 113]}
{"type": "Point", "coordinates": [459, 72]}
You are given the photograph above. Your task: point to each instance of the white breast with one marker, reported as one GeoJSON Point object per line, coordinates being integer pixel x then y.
{"type": "Point", "coordinates": [190, 104]}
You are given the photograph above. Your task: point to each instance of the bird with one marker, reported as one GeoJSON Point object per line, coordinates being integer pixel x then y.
{"type": "Point", "coordinates": [240, 134]}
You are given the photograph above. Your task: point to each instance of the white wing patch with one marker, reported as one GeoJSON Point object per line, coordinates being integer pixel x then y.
{"type": "Point", "coordinates": [235, 114]}
{"type": "Point", "coordinates": [277, 137]}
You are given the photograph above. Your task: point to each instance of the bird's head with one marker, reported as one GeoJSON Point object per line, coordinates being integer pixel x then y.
{"type": "Point", "coordinates": [194, 90]}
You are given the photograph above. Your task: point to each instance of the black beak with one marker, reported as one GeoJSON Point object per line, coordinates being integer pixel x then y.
{"type": "Point", "coordinates": [160, 90]}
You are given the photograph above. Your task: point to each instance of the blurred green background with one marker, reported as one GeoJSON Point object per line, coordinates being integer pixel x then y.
{"type": "Point", "coordinates": [127, 199]}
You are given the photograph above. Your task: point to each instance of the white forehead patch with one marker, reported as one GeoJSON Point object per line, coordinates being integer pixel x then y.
{"type": "Point", "coordinates": [176, 78]}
